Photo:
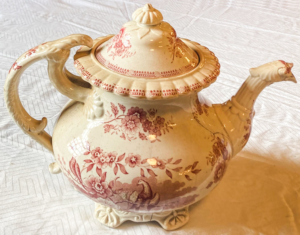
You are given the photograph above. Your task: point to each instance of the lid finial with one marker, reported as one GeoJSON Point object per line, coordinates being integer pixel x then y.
{"type": "Point", "coordinates": [147, 15]}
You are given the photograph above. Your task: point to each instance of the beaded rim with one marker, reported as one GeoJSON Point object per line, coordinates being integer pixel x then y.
{"type": "Point", "coordinates": [99, 76]}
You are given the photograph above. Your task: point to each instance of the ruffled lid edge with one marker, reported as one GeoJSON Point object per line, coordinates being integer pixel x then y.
{"type": "Point", "coordinates": [99, 76]}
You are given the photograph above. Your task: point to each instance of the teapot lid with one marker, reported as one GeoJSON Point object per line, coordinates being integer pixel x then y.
{"type": "Point", "coordinates": [147, 60]}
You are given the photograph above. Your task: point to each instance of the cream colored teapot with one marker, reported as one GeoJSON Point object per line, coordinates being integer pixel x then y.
{"type": "Point", "coordinates": [137, 137]}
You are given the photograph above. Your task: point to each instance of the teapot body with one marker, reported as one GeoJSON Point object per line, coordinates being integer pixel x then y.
{"type": "Point", "coordinates": [136, 137]}
{"type": "Point", "coordinates": [140, 155]}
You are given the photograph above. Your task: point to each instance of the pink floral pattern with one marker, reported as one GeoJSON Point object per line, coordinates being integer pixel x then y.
{"type": "Point", "coordinates": [140, 193]}
{"type": "Point", "coordinates": [176, 47]}
{"type": "Point", "coordinates": [200, 109]}
{"type": "Point", "coordinates": [32, 51]}
{"type": "Point", "coordinates": [133, 160]}
{"type": "Point", "coordinates": [120, 45]}
{"type": "Point", "coordinates": [15, 67]}
{"type": "Point", "coordinates": [219, 171]}
{"type": "Point", "coordinates": [218, 158]}
{"type": "Point", "coordinates": [247, 129]}
{"type": "Point", "coordinates": [97, 187]}
{"type": "Point", "coordinates": [100, 159]}
{"type": "Point", "coordinates": [218, 150]}
{"type": "Point", "coordinates": [131, 125]}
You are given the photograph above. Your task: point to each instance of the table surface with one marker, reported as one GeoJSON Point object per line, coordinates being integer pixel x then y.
{"type": "Point", "coordinates": [260, 193]}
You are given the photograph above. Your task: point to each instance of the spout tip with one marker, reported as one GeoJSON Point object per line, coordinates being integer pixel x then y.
{"type": "Point", "coordinates": [292, 79]}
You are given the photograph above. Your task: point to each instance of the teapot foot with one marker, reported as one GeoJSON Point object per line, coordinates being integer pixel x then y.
{"type": "Point", "coordinates": [54, 168]}
{"type": "Point", "coordinates": [113, 218]}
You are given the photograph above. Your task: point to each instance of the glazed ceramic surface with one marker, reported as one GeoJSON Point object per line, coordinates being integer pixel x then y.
{"type": "Point", "coordinates": [137, 138]}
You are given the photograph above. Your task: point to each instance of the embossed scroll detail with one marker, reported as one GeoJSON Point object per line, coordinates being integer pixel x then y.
{"type": "Point", "coordinates": [113, 218]}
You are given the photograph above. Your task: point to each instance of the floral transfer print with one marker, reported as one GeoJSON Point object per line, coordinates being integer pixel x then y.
{"type": "Point", "coordinates": [200, 109]}
{"type": "Point", "coordinates": [218, 158]}
{"type": "Point", "coordinates": [32, 51]}
{"type": "Point", "coordinates": [100, 159]}
{"type": "Point", "coordinates": [15, 67]}
{"type": "Point", "coordinates": [219, 155]}
{"type": "Point", "coordinates": [218, 150]}
{"type": "Point", "coordinates": [136, 123]}
{"type": "Point", "coordinates": [29, 53]}
{"type": "Point", "coordinates": [119, 45]}
{"type": "Point", "coordinates": [247, 129]}
{"type": "Point", "coordinates": [178, 48]}
{"type": "Point", "coordinates": [143, 192]}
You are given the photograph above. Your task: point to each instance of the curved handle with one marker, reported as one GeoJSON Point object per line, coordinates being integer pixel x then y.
{"type": "Point", "coordinates": [56, 53]}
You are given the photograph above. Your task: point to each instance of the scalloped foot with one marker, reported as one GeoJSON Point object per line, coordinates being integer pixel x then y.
{"type": "Point", "coordinates": [169, 220]}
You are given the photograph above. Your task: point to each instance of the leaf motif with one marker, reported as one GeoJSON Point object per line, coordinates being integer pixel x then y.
{"type": "Point", "coordinates": [123, 136]}
{"type": "Point", "coordinates": [177, 161]}
{"type": "Point", "coordinates": [90, 167]}
{"type": "Point", "coordinates": [103, 177]}
{"type": "Point", "coordinates": [87, 153]}
{"type": "Point", "coordinates": [72, 165]}
{"type": "Point", "coordinates": [114, 109]}
{"type": "Point", "coordinates": [121, 157]}
{"type": "Point", "coordinates": [99, 171]}
{"type": "Point", "coordinates": [142, 172]}
{"type": "Point", "coordinates": [177, 169]}
{"type": "Point", "coordinates": [187, 177]}
{"type": "Point", "coordinates": [108, 127]}
{"type": "Point", "coordinates": [194, 165]}
{"type": "Point", "coordinates": [111, 184]}
{"type": "Point", "coordinates": [196, 171]}
{"type": "Point", "coordinates": [88, 161]}
{"type": "Point", "coordinates": [122, 168]}
{"type": "Point", "coordinates": [151, 172]}
{"type": "Point", "coordinates": [75, 169]}
{"type": "Point", "coordinates": [169, 173]}
{"type": "Point", "coordinates": [144, 161]}
{"type": "Point", "coordinates": [188, 168]}
{"type": "Point", "coordinates": [116, 169]}
{"type": "Point", "coordinates": [142, 136]}
{"type": "Point", "coordinates": [169, 160]}
{"type": "Point", "coordinates": [122, 107]}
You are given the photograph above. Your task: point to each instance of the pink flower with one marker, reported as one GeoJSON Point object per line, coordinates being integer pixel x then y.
{"type": "Point", "coordinates": [96, 188]}
{"type": "Point", "coordinates": [101, 161]}
{"type": "Point", "coordinates": [159, 122]}
{"type": "Point", "coordinates": [140, 113]}
{"type": "Point", "coordinates": [119, 44]}
{"type": "Point", "coordinates": [96, 152]}
{"type": "Point", "coordinates": [158, 163]}
{"type": "Point", "coordinates": [131, 124]}
{"type": "Point", "coordinates": [112, 158]}
{"type": "Point", "coordinates": [108, 127]}
{"type": "Point", "coordinates": [147, 126]}
{"type": "Point", "coordinates": [133, 160]}
{"type": "Point", "coordinates": [219, 171]}
{"type": "Point", "coordinates": [152, 113]}
{"type": "Point", "coordinates": [155, 130]}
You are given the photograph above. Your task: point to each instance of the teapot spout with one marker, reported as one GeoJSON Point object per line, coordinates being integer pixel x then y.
{"type": "Point", "coordinates": [236, 114]}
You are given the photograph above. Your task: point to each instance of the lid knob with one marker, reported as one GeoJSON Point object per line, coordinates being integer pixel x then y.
{"type": "Point", "coordinates": [147, 15]}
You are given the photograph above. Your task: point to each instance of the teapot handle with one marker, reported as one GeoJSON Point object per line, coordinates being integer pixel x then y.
{"type": "Point", "coordinates": [56, 52]}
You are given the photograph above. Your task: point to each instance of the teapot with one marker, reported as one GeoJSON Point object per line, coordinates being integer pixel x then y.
{"type": "Point", "coordinates": [137, 138]}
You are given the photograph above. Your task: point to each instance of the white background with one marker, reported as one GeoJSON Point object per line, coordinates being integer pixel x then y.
{"type": "Point", "coordinates": [260, 191]}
